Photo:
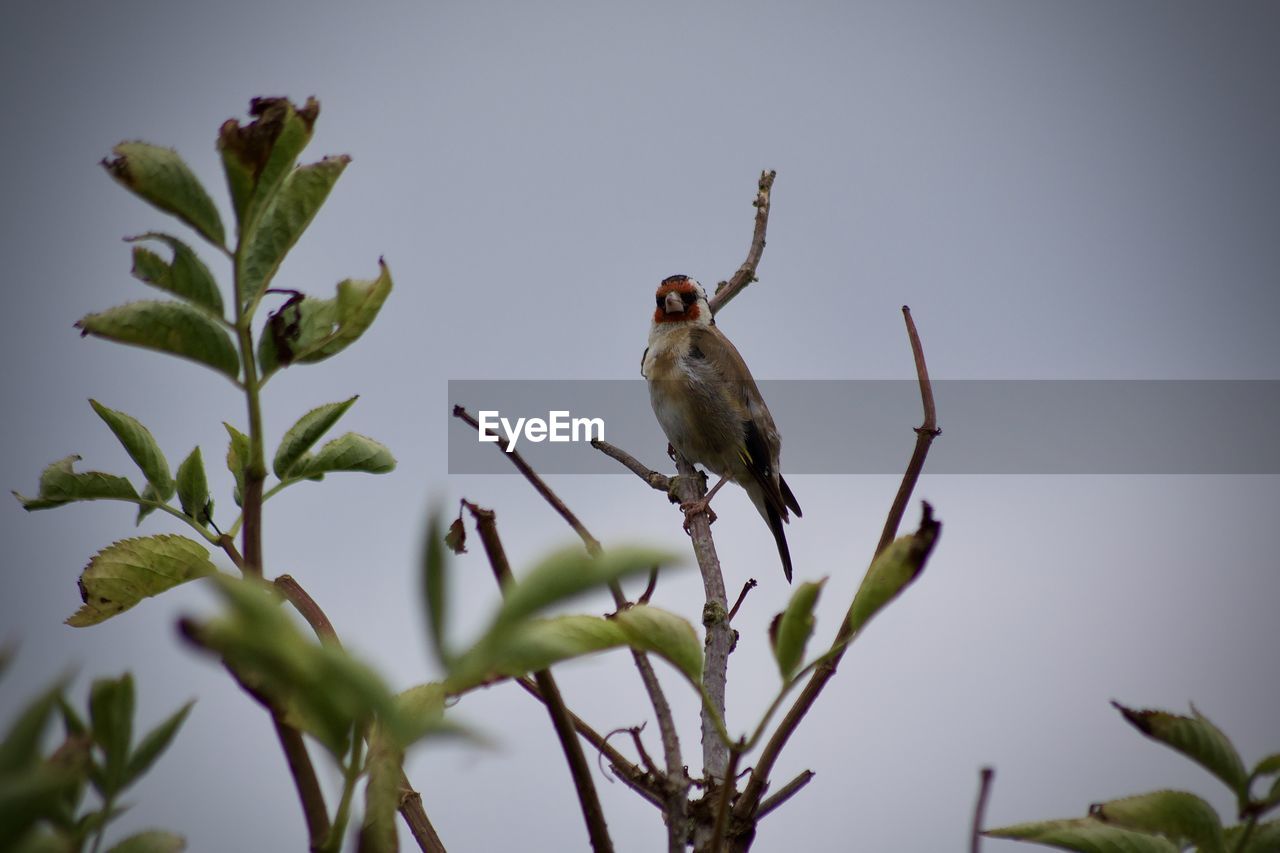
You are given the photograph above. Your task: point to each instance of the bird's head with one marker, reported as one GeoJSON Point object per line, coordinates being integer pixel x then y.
{"type": "Point", "coordinates": [682, 300]}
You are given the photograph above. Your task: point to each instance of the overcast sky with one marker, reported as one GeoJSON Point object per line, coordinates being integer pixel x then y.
{"type": "Point", "coordinates": [1059, 191]}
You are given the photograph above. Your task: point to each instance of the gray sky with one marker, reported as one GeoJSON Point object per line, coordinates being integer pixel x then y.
{"type": "Point", "coordinates": [1059, 190]}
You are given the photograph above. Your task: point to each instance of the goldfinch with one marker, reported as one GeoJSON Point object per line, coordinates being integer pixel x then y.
{"type": "Point", "coordinates": [710, 408]}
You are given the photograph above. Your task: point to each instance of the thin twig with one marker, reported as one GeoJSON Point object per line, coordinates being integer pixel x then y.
{"type": "Point", "coordinates": [746, 273]}
{"type": "Point", "coordinates": [228, 545]}
{"type": "Point", "coordinates": [748, 803]}
{"type": "Point", "coordinates": [677, 800]}
{"type": "Point", "coordinates": [588, 798]}
{"type": "Point", "coordinates": [539, 485]}
{"type": "Point", "coordinates": [641, 751]}
{"type": "Point", "coordinates": [629, 773]}
{"type": "Point", "coordinates": [650, 588]}
{"type": "Point", "coordinates": [658, 481]}
{"type": "Point", "coordinates": [751, 584]}
{"type": "Point", "coordinates": [415, 817]}
{"type": "Point", "coordinates": [784, 793]}
{"type": "Point", "coordinates": [306, 605]}
{"type": "Point", "coordinates": [925, 434]}
{"type": "Point", "coordinates": [985, 777]}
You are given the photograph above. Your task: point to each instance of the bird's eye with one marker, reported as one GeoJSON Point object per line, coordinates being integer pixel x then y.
{"type": "Point", "coordinates": [659, 300]}
{"type": "Point", "coordinates": [689, 298]}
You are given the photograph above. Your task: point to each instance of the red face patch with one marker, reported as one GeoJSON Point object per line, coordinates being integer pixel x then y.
{"type": "Point", "coordinates": [688, 292]}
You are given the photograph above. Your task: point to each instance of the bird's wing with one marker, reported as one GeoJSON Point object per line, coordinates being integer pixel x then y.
{"type": "Point", "coordinates": [761, 442]}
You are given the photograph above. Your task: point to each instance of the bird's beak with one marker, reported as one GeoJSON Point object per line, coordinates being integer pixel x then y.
{"type": "Point", "coordinates": [673, 304]}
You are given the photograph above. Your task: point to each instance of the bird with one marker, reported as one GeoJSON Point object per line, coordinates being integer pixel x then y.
{"type": "Point", "coordinates": [710, 409]}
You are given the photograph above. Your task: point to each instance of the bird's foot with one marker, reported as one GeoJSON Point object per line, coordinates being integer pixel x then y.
{"type": "Point", "coordinates": [692, 508]}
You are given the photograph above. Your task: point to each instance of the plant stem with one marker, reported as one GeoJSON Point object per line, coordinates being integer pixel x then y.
{"type": "Point", "coordinates": [351, 776]}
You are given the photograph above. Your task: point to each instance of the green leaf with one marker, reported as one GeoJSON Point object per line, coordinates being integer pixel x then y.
{"type": "Point", "coordinates": [1268, 766]}
{"type": "Point", "coordinates": [794, 627]}
{"type": "Point", "coordinates": [892, 571]}
{"type": "Point", "coordinates": [435, 575]}
{"type": "Point", "coordinates": [571, 572]}
{"type": "Point", "coordinates": [142, 449]}
{"type": "Point", "coordinates": [185, 275]}
{"type": "Point", "coordinates": [666, 635]}
{"type": "Point", "coordinates": [1181, 817]}
{"type": "Point", "coordinates": [535, 645]}
{"type": "Point", "coordinates": [321, 688]}
{"type": "Point", "coordinates": [193, 487]}
{"type": "Point", "coordinates": [159, 176]}
{"type": "Point", "coordinates": [287, 215]}
{"type": "Point", "coordinates": [349, 452]}
{"type": "Point", "coordinates": [154, 743]}
{"type": "Point", "coordinates": [257, 157]}
{"type": "Point", "coordinates": [111, 703]}
{"type": "Point", "coordinates": [171, 327]}
{"type": "Point", "coordinates": [308, 330]}
{"type": "Point", "coordinates": [305, 433]}
{"type": "Point", "coordinates": [1085, 835]}
{"type": "Point", "coordinates": [28, 798]}
{"type": "Point", "coordinates": [125, 572]}
{"type": "Point", "coordinates": [148, 494]}
{"type": "Point", "coordinates": [1197, 739]}
{"type": "Point", "coordinates": [20, 749]}
{"type": "Point", "coordinates": [237, 459]}
{"type": "Point", "coordinates": [151, 841]}
{"type": "Point", "coordinates": [60, 485]}
{"type": "Point", "coordinates": [1265, 838]}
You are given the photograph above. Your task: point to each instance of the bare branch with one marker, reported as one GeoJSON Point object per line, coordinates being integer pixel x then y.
{"type": "Point", "coordinates": [627, 771]}
{"type": "Point", "coordinates": [985, 777]}
{"type": "Point", "coordinates": [749, 802]}
{"type": "Point", "coordinates": [925, 434]}
{"type": "Point", "coordinates": [306, 605]}
{"type": "Point", "coordinates": [539, 485]}
{"type": "Point", "coordinates": [784, 793]}
{"type": "Point", "coordinates": [650, 587]}
{"type": "Point", "coordinates": [751, 584]}
{"type": "Point", "coordinates": [415, 817]}
{"type": "Point", "coordinates": [588, 798]}
{"type": "Point", "coordinates": [746, 273]}
{"type": "Point", "coordinates": [676, 802]}
{"type": "Point", "coordinates": [661, 482]}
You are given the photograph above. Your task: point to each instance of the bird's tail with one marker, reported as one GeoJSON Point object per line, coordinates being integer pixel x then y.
{"type": "Point", "coordinates": [772, 516]}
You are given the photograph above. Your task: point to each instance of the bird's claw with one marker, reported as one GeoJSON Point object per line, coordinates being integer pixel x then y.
{"type": "Point", "coordinates": [692, 508]}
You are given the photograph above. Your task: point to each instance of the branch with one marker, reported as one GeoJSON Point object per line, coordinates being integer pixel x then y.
{"type": "Point", "coordinates": [746, 273]}
{"type": "Point", "coordinates": [411, 809]}
{"type": "Point", "coordinates": [725, 801]}
{"type": "Point", "coordinates": [661, 482]}
{"type": "Point", "coordinates": [539, 485]}
{"type": "Point", "coordinates": [925, 434]}
{"type": "Point", "coordinates": [592, 813]}
{"type": "Point", "coordinates": [415, 817]}
{"type": "Point", "coordinates": [666, 724]}
{"type": "Point", "coordinates": [785, 793]}
{"type": "Point", "coordinates": [291, 743]}
{"type": "Point", "coordinates": [306, 605]}
{"type": "Point", "coordinates": [980, 808]}
{"type": "Point", "coordinates": [751, 584]}
{"type": "Point", "coordinates": [748, 804]}
{"type": "Point", "coordinates": [630, 774]}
